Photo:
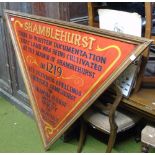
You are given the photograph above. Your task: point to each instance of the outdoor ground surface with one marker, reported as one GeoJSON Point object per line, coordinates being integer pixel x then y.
{"type": "Point", "coordinates": [19, 133]}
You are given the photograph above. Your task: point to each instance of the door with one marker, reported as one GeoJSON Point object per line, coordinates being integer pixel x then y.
{"type": "Point", "coordinates": [5, 79]}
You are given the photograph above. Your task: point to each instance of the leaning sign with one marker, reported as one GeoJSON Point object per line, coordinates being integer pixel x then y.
{"type": "Point", "coordinates": [66, 66]}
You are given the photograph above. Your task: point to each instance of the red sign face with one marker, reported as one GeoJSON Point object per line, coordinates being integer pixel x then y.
{"type": "Point", "coordinates": [64, 69]}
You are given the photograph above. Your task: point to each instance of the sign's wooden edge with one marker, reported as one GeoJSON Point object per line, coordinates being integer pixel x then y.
{"type": "Point", "coordinates": [25, 78]}
{"type": "Point", "coordinates": [141, 43]}
{"type": "Point", "coordinates": [88, 29]}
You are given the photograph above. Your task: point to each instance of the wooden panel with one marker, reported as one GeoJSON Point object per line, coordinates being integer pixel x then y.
{"type": "Point", "coordinates": [39, 8]}
{"type": "Point", "coordinates": [22, 6]}
{"type": "Point", "coordinates": [142, 101]}
{"type": "Point", "coordinates": [5, 82]}
{"type": "Point", "coordinates": [78, 9]}
{"type": "Point", "coordinates": [20, 91]}
{"type": "Point", "coordinates": [18, 85]}
{"type": "Point", "coordinates": [64, 11]}
{"type": "Point", "coordinates": [52, 10]}
{"type": "Point", "coordinates": [1, 8]}
{"type": "Point", "coordinates": [79, 16]}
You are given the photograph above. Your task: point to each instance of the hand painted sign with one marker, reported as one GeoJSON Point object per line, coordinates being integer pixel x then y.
{"type": "Point", "coordinates": [66, 66]}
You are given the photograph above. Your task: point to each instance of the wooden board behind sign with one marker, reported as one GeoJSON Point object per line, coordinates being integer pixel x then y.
{"type": "Point", "coordinates": [66, 66]}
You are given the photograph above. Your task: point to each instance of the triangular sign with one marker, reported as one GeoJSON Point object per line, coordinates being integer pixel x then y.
{"type": "Point", "coordinates": [66, 66]}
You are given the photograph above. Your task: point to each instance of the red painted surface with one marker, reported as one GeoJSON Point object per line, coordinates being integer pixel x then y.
{"type": "Point", "coordinates": [65, 68]}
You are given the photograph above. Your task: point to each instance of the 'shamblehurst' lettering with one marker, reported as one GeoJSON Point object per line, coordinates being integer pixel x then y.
{"type": "Point", "coordinates": [58, 34]}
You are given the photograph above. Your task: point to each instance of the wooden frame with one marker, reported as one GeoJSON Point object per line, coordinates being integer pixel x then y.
{"type": "Point", "coordinates": [149, 6]}
{"type": "Point", "coordinates": [98, 85]}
